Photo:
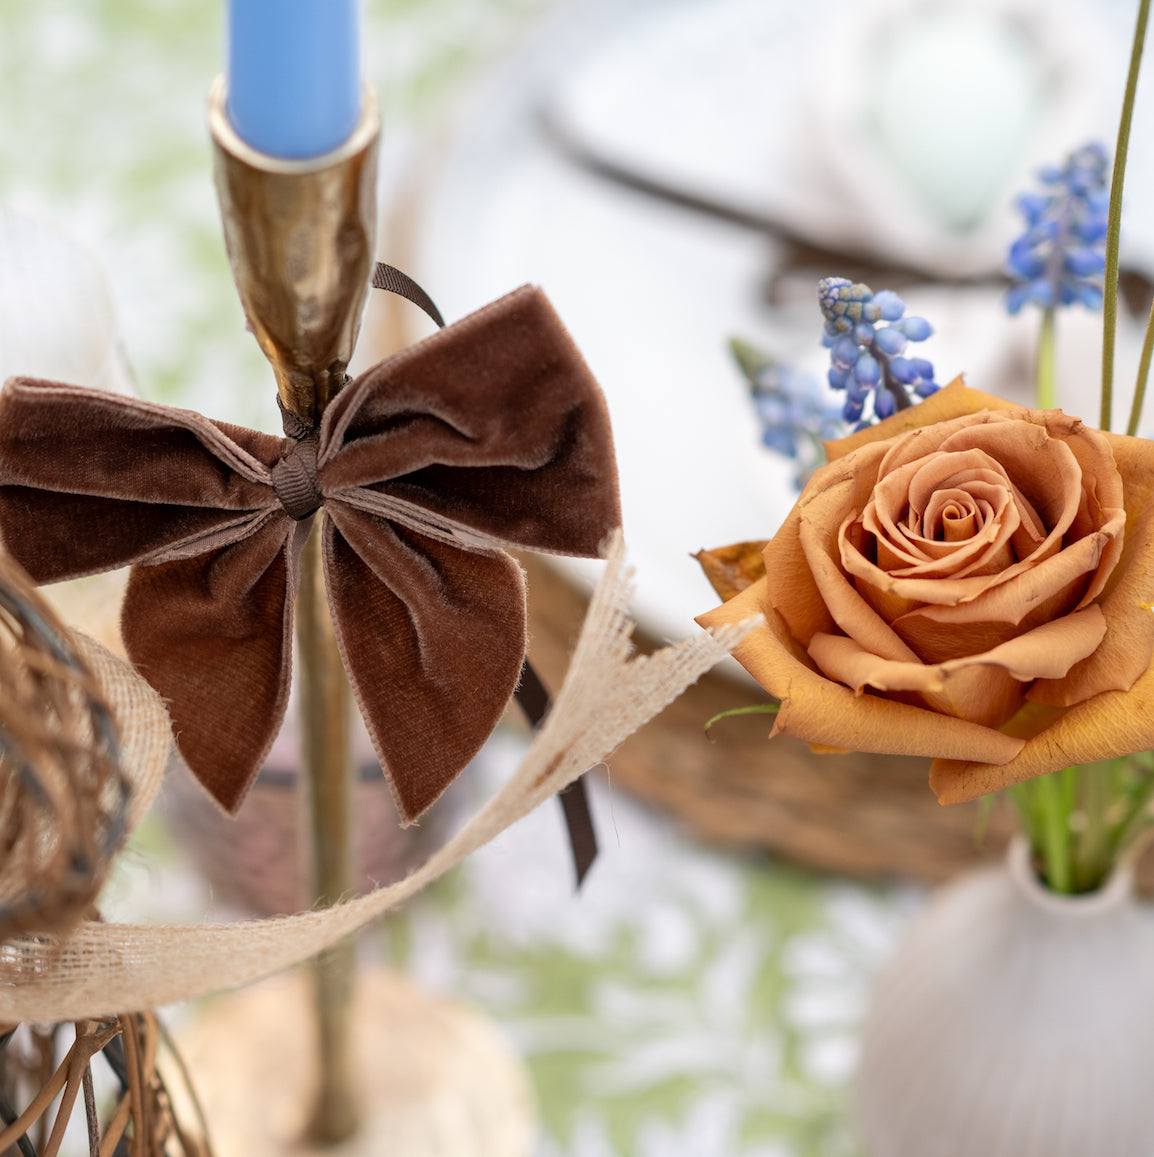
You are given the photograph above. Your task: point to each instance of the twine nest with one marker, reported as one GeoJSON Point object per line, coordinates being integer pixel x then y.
{"type": "Point", "coordinates": [63, 795]}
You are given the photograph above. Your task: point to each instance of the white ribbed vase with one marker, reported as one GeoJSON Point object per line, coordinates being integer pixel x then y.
{"type": "Point", "coordinates": [1014, 1023]}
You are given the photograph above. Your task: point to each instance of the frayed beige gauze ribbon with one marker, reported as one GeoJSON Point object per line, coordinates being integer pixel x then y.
{"type": "Point", "coordinates": [608, 693]}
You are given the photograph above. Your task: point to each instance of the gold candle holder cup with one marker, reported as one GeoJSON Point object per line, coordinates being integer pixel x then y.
{"type": "Point", "coordinates": [301, 240]}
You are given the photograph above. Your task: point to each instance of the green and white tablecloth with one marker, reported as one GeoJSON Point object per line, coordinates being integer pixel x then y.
{"type": "Point", "coordinates": [686, 1002]}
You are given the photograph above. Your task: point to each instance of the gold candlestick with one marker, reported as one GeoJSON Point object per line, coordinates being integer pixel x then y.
{"type": "Point", "coordinates": [301, 240]}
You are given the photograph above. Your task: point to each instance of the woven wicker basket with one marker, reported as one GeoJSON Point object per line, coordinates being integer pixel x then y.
{"type": "Point", "coordinates": [861, 815]}
{"type": "Point", "coordinates": [63, 795]}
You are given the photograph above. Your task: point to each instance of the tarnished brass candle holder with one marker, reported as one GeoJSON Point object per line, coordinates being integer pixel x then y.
{"type": "Point", "coordinates": [301, 241]}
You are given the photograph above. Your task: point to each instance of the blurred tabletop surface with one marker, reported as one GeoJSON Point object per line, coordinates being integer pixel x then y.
{"type": "Point", "coordinates": [687, 1001]}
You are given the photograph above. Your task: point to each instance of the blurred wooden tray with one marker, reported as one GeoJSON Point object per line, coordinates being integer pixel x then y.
{"type": "Point", "coordinates": [860, 815]}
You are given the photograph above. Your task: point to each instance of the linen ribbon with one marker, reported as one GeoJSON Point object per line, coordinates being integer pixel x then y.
{"type": "Point", "coordinates": [490, 434]}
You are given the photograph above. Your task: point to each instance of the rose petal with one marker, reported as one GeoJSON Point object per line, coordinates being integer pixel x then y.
{"type": "Point", "coordinates": [1099, 492]}
{"type": "Point", "coordinates": [850, 611]}
{"type": "Point", "coordinates": [953, 401]}
{"type": "Point", "coordinates": [1109, 725]}
{"type": "Point", "coordinates": [814, 526]}
{"type": "Point", "coordinates": [1002, 598]}
{"type": "Point", "coordinates": [972, 480]}
{"type": "Point", "coordinates": [1048, 651]}
{"type": "Point", "coordinates": [826, 713]}
{"type": "Point", "coordinates": [958, 514]}
{"type": "Point", "coordinates": [936, 638]}
{"type": "Point", "coordinates": [1109, 491]}
{"type": "Point", "coordinates": [1035, 458]}
{"type": "Point", "coordinates": [794, 593]}
{"type": "Point", "coordinates": [972, 687]}
{"type": "Point", "coordinates": [1126, 652]}
{"type": "Point", "coordinates": [981, 694]}
{"type": "Point", "coordinates": [955, 514]}
{"type": "Point", "coordinates": [1056, 462]}
{"type": "Point", "coordinates": [1058, 581]}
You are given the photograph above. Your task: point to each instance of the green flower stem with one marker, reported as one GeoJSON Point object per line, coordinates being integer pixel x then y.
{"type": "Point", "coordinates": [1114, 222]}
{"type": "Point", "coordinates": [1135, 818]}
{"type": "Point", "coordinates": [986, 804]}
{"type": "Point", "coordinates": [817, 443]}
{"type": "Point", "coordinates": [1055, 843]}
{"type": "Point", "coordinates": [1022, 797]}
{"type": "Point", "coordinates": [1092, 858]}
{"type": "Point", "coordinates": [1046, 392]}
{"type": "Point", "coordinates": [1027, 800]}
{"type": "Point", "coordinates": [753, 709]}
{"type": "Point", "coordinates": [1143, 374]}
{"type": "Point", "coordinates": [750, 360]}
{"type": "Point", "coordinates": [1068, 779]}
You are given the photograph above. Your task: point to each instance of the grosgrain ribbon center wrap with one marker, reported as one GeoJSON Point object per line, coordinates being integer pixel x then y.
{"type": "Point", "coordinates": [487, 436]}
{"type": "Point", "coordinates": [294, 477]}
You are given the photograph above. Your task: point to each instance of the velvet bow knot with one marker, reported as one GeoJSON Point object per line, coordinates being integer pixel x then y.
{"type": "Point", "coordinates": [294, 477]}
{"type": "Point", "coordinates": [490, 434]}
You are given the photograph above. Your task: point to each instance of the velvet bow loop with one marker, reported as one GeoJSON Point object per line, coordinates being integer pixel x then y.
{"type": "Point", "coordinates": [490, 433]}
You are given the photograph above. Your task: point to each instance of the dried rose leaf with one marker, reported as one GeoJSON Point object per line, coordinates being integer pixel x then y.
{"type": "Point", "coordinates": [730, 569]}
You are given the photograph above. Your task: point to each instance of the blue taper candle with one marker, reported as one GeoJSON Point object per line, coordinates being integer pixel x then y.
{"type": "Point", "coordinates": [294, 74]}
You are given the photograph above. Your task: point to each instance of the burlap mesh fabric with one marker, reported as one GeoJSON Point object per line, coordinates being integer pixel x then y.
{"type": "Point", "coordinates": [608, 693]}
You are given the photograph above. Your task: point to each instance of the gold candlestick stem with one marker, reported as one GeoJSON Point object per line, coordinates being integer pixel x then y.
{"type": "Point", "coordinates": [325, 706]}
{"type": "Point", "coordinates": [301, 240]}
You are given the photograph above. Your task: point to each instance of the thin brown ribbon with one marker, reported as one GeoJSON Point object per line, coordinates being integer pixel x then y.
{"type": "Point", "coordinates": [535, 703]}
{"type": "Point", "coordinates": [531, 695]}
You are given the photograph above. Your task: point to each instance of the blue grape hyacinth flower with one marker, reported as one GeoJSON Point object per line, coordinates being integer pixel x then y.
{"type": "Point", "coordinates": [868, 335]}
{"type": "Point", "coordinates": [1062, 253]}
{"type": "Point", "coordinates": [794, 416]}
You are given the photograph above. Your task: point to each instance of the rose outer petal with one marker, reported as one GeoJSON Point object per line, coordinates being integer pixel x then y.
{"type": "Point", "coordinates": [1126, 652]}
{"type": "Point", "coordinates": [956, 400]}
{"type": "Point", "coordinates": [827, 714]}
{"type": "Point", "coordinates": [969, 687]}
{"type": "Point", "coordinates": [795, 594]}
{"type": "Point", "coordinates": [1107, 726]}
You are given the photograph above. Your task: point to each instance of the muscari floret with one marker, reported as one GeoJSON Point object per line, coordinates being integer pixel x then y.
{"type": "Point", "coordinates": [1062, 252]}
{"type": "Point", "coordinates": [867, 335]}
{"type": "Point", "coordinates": [792, 409]}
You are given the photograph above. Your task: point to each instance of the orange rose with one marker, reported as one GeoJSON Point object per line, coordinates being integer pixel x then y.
{"type": "Point", "coordinates": [966, 580]}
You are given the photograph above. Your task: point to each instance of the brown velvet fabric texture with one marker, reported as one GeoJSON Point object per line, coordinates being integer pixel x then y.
{"type": "Point", "coordinates": [491, 433]}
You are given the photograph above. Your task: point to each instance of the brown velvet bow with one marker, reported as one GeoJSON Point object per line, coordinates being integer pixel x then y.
{"type": "Point", "coordinates": [491, 433]}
